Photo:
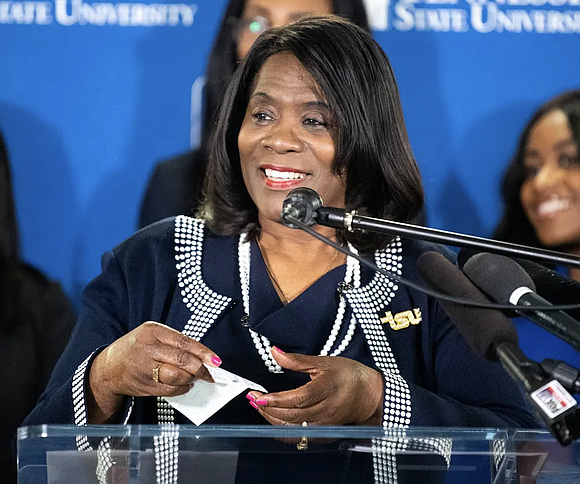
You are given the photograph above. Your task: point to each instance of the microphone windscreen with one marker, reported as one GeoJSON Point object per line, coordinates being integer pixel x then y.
{"type": "Point", "coordinates": [551, 285]}
{"type": "Point", "coordinates": [497, 276]}
{"type": "Point", "coordinates": [481, 327]}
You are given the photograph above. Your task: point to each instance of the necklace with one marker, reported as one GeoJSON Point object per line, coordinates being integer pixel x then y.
{"type": "Point", "coordinates": [286, 298]}
{"type": "Point", "coordinates": [262, 344]}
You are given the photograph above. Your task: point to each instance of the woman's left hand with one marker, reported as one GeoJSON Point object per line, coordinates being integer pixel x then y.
{"type": "Point", "coordinates": [341, 392]}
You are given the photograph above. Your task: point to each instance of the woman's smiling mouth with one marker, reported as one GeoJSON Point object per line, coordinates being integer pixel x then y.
{"type": "Point", "coordinates": [277, 175]}
{"type": "Point", "coordinates": [278, 178]}
{"type": "Point", "coordinates": [552, 206]}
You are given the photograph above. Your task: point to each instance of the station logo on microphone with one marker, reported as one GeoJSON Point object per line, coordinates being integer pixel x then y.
{"type": "Point", "coordinates": [478, 16]}
{"type": "Point", "coordinates": [553, 399]}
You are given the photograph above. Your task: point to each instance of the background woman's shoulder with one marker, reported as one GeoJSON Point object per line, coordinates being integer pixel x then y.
{"type": "Point", "coordinates": [26, 294]}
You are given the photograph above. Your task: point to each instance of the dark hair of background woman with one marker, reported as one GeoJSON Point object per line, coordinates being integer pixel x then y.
{"type": "Point", "coordinates": [372, 146]}
{"type": "Point", "coordinates": [11, 272]}
{"type": "Point", "coordinates": [9, 242]}
{"type": "Point", "coordinates": [514, 225]}
{"type": "Point", "coordinates": [9, 248]}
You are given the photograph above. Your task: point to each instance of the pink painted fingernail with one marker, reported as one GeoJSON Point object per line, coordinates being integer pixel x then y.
{"type": "Point", "coordinates": [216, 360]}
{"type": "Point", "coordinates": [261, 401]}
{"type": "Point", "coordinates": [254, 405]}
{"type": "Point", "coordinates": [277, 349]}
{"type": "Point", "coordinates": [250, 397]}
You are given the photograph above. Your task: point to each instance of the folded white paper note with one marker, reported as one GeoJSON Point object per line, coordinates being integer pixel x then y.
{"type": "Point", "coordinates": [205, 399]}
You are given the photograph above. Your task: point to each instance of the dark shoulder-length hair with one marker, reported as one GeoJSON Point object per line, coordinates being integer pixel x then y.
{"type": "Point", "coordinates": [9, 241]}
{"type": "Point", "coordinates": [514, 225]}
{"type": "Point", "coordinates": [371, 143]}
{"type": "Point", "coordinates": [223, 59]}
{"type": "Point", "coordinates": [11, 303]}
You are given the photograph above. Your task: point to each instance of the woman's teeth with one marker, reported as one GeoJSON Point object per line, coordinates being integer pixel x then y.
{"type": "Point", "coordinates": [283, 175]}
{"type": "Point", "coordinates": [553, 206]}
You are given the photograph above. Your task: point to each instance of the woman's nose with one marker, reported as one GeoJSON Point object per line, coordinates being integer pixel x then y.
{"type": "Point", "coordinates": [549, 176]}
{"type": "Point", "coordinates": [283, 138]}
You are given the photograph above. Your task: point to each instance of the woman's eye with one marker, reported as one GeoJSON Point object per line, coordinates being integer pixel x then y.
{"type": "Point", "coordinates": [531, 171]}
{"type": "Point", "coordinates": [313, 122]}
{"type": "Point", "coordinates": [568, 161]}
{"type": "Point", "coordinates": [261, 116]}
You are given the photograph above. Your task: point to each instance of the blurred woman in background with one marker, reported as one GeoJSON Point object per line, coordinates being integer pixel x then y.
{"type": "Point", "coordinates": [36, 320]}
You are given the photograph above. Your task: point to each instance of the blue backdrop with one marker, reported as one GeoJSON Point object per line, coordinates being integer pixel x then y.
{"type": "Point", "coordinates": [93, 94]}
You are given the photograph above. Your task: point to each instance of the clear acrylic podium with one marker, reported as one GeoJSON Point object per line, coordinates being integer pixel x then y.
{"type": "Point", "coordinates": [141, 454]}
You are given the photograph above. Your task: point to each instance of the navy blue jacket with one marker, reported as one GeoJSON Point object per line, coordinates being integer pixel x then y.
{"type": "Point", "coordinates": [445, 382]}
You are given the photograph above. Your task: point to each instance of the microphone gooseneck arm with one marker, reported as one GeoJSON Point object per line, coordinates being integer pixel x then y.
{"type": "Point", "coordinates": [341, 219]}
{"type": "Point", "coordinates": [294, 217]}
{"type": "Point", "coordinates": [294, 222]}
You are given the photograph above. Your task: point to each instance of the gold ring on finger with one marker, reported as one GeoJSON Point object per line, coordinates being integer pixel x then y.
{"type": "Point", "coordinates": [156, 373]}
{"type": "Point", "coordinates": [303, 444]}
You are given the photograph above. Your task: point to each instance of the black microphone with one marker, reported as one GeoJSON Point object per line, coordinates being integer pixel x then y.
{"type": "Point", "coordinates": [566, 374]}
{"type": "Point", "coordinates": [492, 335]}
{"type": "Point", "coordinates": [484, 329]}
{"type": "Point", "coordinates": [301, 204]}
{"type": "Point", "coordinates": [551, 285]}
{"type": "Point", "coordinates": [502, 279]}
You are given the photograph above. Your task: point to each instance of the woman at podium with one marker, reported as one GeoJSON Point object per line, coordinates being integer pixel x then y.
{"type": "Point", "coordinates": [315, 104]}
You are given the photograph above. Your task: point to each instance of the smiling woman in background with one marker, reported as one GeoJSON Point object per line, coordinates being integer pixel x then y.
{"type": "Point", "coordinates": [175, 187]}
{"type": "Point", "coordinates": [541, 195]}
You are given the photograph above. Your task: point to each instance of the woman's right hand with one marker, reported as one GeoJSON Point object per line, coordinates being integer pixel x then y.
{"type": "Point", "coordinates": [126, 368]}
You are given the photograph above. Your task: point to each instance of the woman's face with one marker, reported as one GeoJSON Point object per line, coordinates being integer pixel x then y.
{"type": "Point", "coordinates": [286, 138]}
{"type": "Point", "coordinates": [550, 194]}
{"type": "Point", "coordinates": [261, 15]}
